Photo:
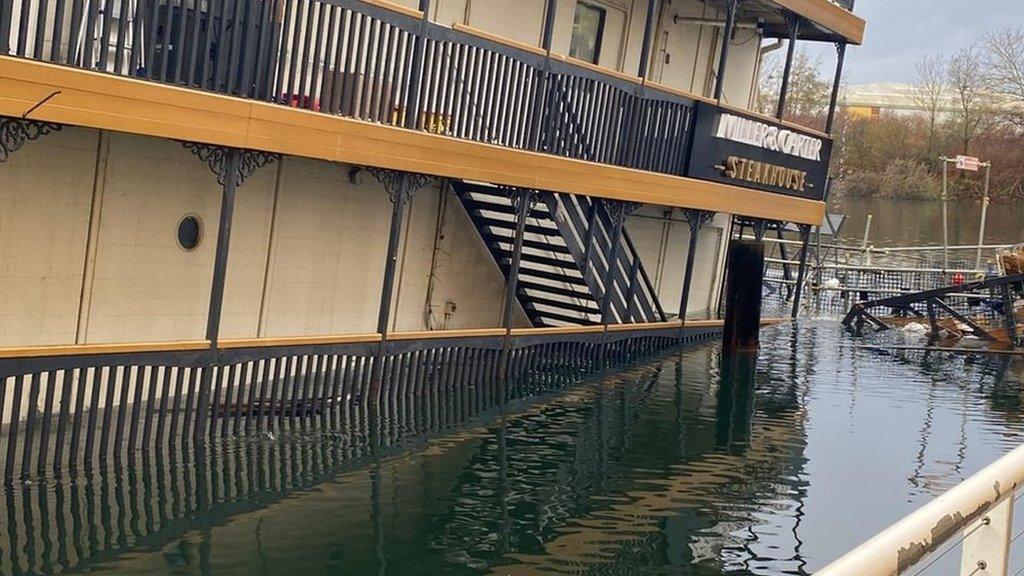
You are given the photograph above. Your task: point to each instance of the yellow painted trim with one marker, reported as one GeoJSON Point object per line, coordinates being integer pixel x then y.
{"type": "Point", "coordinates": [837, 19]}
{"type": "Point", "coordinates": [557, 330]}
{"type": "Point", "coordinates": [108, 102]}
{"type": "Point", "coordinates": [443, 334]}
{"type": "Point", "coordinates": [88, 349]}
{"type": "Point", "coordinates": [646, 326]}
{"type": "Point", "coordinates": [300, 341]}
{"type": "Point", "coordinates": [396, 8]}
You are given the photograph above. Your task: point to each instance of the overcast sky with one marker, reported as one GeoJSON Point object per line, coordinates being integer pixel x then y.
{"type": "Point", "coordinates": [899, 32]}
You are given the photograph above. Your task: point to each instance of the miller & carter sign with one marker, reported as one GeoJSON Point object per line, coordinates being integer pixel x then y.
{"type": "Point", "coordinates": [748, 151]}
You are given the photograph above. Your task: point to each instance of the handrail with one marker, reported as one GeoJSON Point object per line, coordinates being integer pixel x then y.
{"type": "Point", "coordinates": [329, 339]}
{"type": "Point", "coordinates": [91, 349]}
{"type": "Point", "coordinates": [980, 508]}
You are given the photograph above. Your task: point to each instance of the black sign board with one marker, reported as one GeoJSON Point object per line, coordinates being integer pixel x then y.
{"type": "Point", "coordinates": [745, 150]}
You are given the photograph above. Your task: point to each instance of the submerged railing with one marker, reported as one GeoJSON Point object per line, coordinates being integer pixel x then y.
{"type": "Point", "coordinates": [67, 409]}
{"type": "Point", "coordinates": [976, 515]}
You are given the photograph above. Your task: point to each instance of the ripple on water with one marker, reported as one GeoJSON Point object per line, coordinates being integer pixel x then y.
{"type": "Point", "coordinates": [688, 464]}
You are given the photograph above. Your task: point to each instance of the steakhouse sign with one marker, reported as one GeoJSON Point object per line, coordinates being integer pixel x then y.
{"type": "Point", "coordinates": [749, 151]}
{"type": "Point", "coordinates": [774, 138]}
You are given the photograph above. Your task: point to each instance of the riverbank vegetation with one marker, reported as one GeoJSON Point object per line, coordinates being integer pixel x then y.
{"type": "Point", "coordinates": [970, 102]}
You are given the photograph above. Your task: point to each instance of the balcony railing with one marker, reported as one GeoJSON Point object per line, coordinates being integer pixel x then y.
{"type": "Point", "coordinates": [380, 64]}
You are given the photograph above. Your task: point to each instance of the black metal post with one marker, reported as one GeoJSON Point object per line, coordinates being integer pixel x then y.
{"type": "Point", "coordinates": [805, 238]}
{"type": "Point", "coordinates": [645, 50]}
{"type": "Point", "coordinates": [723, 57]}
{"type": "Point", "coordinates": [1009, 315]}
{"type": "Point", "coordinates": [220, 262]}
{"type": "Point", "coordinates": [523, 201]}
{"type": "Point", "coordinates": [794, 32]}
{"type": "Point", "coordinates": [618, 214]}
{"type": "Point", "coordinates": [549, 25]}
{"type": "Point", "coordinates": [696, 220]}
{"type": "Point", "coordinates": [834, 102]}
{"type": "Point", "coordinates": [412, 105]}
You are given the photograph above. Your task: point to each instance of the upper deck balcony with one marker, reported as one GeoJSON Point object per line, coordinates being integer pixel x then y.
{"type": "Point", "coordinates": [387, 65]}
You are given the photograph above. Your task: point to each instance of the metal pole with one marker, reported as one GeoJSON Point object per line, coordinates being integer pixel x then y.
{"type": "Point", "coordinates": [613, 264]}
{"type": "Point", "coordinates": [525, 198]}
{"type": "Point", "coordinates": [691, 258]}
{"type": "Point", "coordinates": [412, 107]}
{"type": "Point", "coordinates": [398, 200]}
{"type": "Point", "coordinates": [945, 215]}
{"type": "Point", "coordinates": [220, 262]}
{"type": "Point", "coordinates": [549, 25]}
{"type": "Point", "coordinates": [984, 215]}
{"type": "Point", "coordinates": [834, 102]}
{"type": "Point", "coordinates": [730, 24]}
{"type": "Point", "coordinates": [645, 51]}
{"type": "Point", "coordinates": [805, 236]}
{"type": "Point", "coordinates": [794, 32]}
{"type": "Point", "coordinates": [220, 269]}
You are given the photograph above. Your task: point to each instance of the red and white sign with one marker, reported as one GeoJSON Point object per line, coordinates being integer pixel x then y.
{"type": "Point", "coordinates": [968, 163]}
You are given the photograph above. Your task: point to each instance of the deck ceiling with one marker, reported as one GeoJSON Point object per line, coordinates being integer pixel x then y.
{"type": "Point", "coordinates": [823, 20]}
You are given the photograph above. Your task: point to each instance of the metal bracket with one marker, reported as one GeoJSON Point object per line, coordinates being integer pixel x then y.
{"type": "Point", "coordinates": [398, 184]}
{"type": "Point", "coordinates": [697, 218]}
{"type": "Point", "coordinates": [216, 158]}
{"type": "Point", "coordinates": [619, 210]}
{"type": "Point", "coordinates": [15, 132]}
{"type": "Point", "coordinates": [516, 196]}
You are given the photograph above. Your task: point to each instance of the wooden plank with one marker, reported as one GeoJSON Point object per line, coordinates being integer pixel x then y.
{"type": "Point", "coordinates": [833, 17]}
{"type": "Point", "coordinates": [90, 349]}
{"type": "Point", "coordinates": [443, 334]}
{"type": "Point", "coordinates": [108, 102]}
{"type": "Point", "coordinates": [644, 326]}
{"type": "Point", "coordinates": [300, 341]}
{"type": "Point", "coordinates": [557, 330]}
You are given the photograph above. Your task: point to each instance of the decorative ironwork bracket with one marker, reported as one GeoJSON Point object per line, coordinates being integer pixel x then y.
{"type": "Point", "coordinates": [216, 158]}
{"type": "Point", "coordinates": [697, 218]}
{"type": "Point", "coordinates": [15, 132]}
{"type": "Point", "coordinates": [619, 210]}
{"type": "Point", "coordinates": [516, 196]}
{"type": "Point", "coordinates": [398, 184]}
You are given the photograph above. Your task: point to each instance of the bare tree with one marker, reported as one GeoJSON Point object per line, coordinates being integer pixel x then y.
{"type": "Point", "coordinates": [809, 92]}
{"type": "Point", "coordinates": [1004, 63]}
{"type": "Point", "coordinates": [973, 114]}
{"type": "Point", "coordinates": [929, 92]}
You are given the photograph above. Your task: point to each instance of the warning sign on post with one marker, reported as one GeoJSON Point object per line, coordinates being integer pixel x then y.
{"type": "Point", "coordinates": [969, 163]}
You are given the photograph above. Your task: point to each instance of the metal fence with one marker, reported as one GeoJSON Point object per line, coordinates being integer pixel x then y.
{"type": "Point", "coordinates": [60, 414]}
{"type": "Point", "coordinates": [364, 61]}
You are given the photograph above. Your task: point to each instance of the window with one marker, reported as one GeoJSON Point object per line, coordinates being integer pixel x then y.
{"type": "Point", "coordinates": [587, 30]}
{"type": "Point", "coordinates": [190, 232]}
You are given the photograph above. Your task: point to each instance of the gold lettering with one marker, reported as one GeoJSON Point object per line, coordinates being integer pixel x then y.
{"type": "Point", "coordinates": [738, 168]}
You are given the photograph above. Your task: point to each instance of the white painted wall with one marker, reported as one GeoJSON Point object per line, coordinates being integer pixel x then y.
{"type": "Point", "coordinates": [307, 251]}
{"type": "Point", "coordinates": [662, 238]}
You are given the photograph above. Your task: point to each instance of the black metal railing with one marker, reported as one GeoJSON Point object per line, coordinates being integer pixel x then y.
{"type": "Point", "coordinates": [62, 414]}
{"type": "Point", "coordinates": [360, 60]}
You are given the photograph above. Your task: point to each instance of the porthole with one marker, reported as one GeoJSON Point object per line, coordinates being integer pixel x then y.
{"type": "Point", "coordinates": [190, 232]}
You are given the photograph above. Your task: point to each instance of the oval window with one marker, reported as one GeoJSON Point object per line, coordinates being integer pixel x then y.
{"type": "Point", "coordinates": [190, 232]}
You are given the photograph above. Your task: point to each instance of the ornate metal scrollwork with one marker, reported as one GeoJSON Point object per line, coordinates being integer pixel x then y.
{"type": "Point", "coordinates": [619, 210]}
{"type": "Point", "coordinates": [15, 132]}
{"type": "Point", "coordinates": [216, 158]}
{"type": "Point", "coordinates": [516, 195]}
{"type": "Point", "coordinates": [398, 184]}
{"type": "Point", "coordinates": [697, 218]}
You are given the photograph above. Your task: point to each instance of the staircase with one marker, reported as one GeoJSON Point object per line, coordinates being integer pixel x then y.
{"type": "Point", "coordinates": [564, 259]}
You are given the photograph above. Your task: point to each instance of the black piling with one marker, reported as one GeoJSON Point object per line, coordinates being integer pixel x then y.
{"type": "Point", "coordinates": [743, 296]}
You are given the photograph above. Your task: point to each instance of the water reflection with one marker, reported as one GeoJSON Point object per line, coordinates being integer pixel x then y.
{"type": "Point", "coordinates": [691, 464]}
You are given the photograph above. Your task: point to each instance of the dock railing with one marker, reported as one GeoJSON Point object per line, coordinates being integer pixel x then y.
{"type": "Point", "coordinates": [977, 514]}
